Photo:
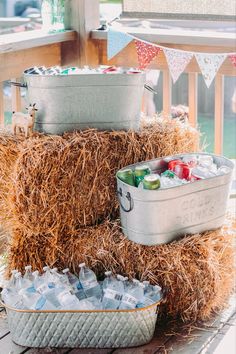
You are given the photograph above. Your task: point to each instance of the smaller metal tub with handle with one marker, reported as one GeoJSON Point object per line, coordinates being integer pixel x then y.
{"type": "Point", "coordinates": [152, 217]}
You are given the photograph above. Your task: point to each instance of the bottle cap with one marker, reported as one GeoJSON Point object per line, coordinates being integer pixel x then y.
{"type": "Point", "coordinates": [28, 267]}
{"type": "Point", "coordinates": [65, 270]}
{"type": "Point", "coordinates": [54, 270]}
{"type": "Point", "coordinates": [82, 265]}
{"type": "Point", "coordinates": [120, 277]}
{"type": "Point", "coordinates": [14, 271]}
{"type": "Point", "coordinates": [46, 268]}
{"type": "Point", "coordinates": [109, 272]}
{"type": "Point", "coordinates": [136, 281]}
{"type": "Point", "coordinates": [146, 282]}
{"type": "Point", "coordinates": [157, 287]}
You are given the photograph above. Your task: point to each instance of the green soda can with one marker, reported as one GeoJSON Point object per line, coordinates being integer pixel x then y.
{"type": "Point", "coordinates": [126, 176]}
{"type": "Point", "coordinates": [168, 173]}
{"type": "Point", "coordinates": [140, 172]}
{"type": "Point", "coordinates": [151, 182]}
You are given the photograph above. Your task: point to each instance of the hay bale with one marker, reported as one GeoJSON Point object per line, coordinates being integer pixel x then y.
{"type": "Point", "coordinates": [197, 271]}
{"type": "Point", "coordinates": [62, 183]}
{"type": "Point", "coordinates": [9, 151]}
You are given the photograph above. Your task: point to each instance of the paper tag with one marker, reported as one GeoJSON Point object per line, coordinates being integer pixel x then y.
{"type": "Point", "coordinates": [129, 300]}
{"type": "Point", "coordinates": [89, 284]}
{"type": "Point", "coordinates": [112, 294]}
{"type": "Point", "coordinates": [42, 288]}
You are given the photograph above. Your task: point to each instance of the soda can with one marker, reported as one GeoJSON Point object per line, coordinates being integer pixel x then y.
{"type": "Point", "coordinates": [168, 173]}
{"type": "Point", "coordinates": [151, 182]}
{"type": "Point", "coordinates": [183, 171]}
{"type": "Point", "coordinates": [191, 160]}
{"type": "Point", "coordinates": [127, 176]}
{"type": "Point", "coordinates": [172, 163]}
{"type": "Point", "coordinates": [140, 172]}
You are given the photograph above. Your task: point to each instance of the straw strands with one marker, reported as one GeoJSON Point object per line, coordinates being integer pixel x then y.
{"type": "Point", "coordinates": [197, 271]}
{"type": "Point", "coordinates": [61, 183]}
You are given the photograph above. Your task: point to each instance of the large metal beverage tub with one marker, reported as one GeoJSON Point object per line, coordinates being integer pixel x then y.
{"type": "Point", "coordinates": [77, 102]}
{"type": "Point", "coordinates": [151, 217]}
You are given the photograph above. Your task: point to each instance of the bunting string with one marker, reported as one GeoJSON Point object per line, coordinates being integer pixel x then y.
{"type": "Point", "coordinates": [177, 59]}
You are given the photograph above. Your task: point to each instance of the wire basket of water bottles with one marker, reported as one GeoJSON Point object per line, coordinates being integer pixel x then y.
{"type": "Point", "coordinates": [38, 298]}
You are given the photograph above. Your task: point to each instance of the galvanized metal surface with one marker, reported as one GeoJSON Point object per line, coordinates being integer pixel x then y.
{"type": "Point", "coordinates": [77, 102]}
{"type": "Point", "coordinates": [84, 329]}
{"type": "Point", "coordinates": [162, 215]}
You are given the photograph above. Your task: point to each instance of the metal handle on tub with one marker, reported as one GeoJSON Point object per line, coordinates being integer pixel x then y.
{"type": "Point", "coordinates": [129, 198]}
{"type": "Point", "coordinates": [18, 84]}
{"type": "Point", "coordinates": [149, 88]}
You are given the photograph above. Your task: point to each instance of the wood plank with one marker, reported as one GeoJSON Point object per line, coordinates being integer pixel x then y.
{"type": "Point", "coordinates": [31, 39]}
{"type": "Point", "coordinates": [175, 36]}
{"type": "Point", "coordinates": [167, 92]}
{"type": "Point", "coordinates": [219, 113]}
{"type": "Point", "coordinates": [1, 105]}
{"type": "Point", "coordinates": [193, 98]}
{"type": "Point", "coordinates": [82, 16]}
{"type": "Point", "coordinates": [198, 338]}
{"type": "Point", "coordinates": [128, 57]}
{"type": "Point", "coordinates": [224, 341]}
{"type": "Point", "coordinates": [7, 346]}
{"type": "Point", "coordinates": [13, 64]}
{"type": "Point", "coordinates": [15, 97]}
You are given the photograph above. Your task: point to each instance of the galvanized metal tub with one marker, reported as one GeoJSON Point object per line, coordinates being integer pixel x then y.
{"type": "Point", "coordinates": [77, 102]}
{"type": "Point", "coordinates": [160, 216]}
{"type": "Point", "coordinates": [82, 329]}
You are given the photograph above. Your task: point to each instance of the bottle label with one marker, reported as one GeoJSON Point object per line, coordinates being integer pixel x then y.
{"type": "Point", "coordinates": [89, 284]}
{"type": "Point", "coordinates": [129, 300]}
{"type": "Point", "coordinates": [112, 294]}
{"type": "Point", "coordinates": [42, 288]}
{"type": "Point", "coordinates": [40, 303]}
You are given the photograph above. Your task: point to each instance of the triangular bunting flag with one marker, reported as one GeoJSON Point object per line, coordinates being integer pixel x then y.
{"type": "Point", "coordinates": [209, 65]}
{"type": "Point", "coordinates": [146, 53]}
{"type": "Point", "coordinates": [116, 41]}
{"type": "Point", "coordinates": [232, 58]}
{"type": "Point", "coordinates": [177, 62]}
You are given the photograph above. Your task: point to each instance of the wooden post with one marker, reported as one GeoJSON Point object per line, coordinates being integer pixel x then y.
{"type": "Point", "coordinates": [219, 113]}
{"type": "Point", "coordinates": [167, 92]}
{"type": "Point", "coordinates": [15, 97]}
{"type": "Point", "coordinates": [192, 98]}
{"type": "Point", "coordinates": [81, 16]}
{"type": "Point", "coordinates": [1, 105]}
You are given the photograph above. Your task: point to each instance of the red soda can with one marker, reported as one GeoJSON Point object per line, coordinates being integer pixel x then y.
{"type": "Point", "coordinates": [173, 163]}
{"type": "Point", "coordinates": [183, 171]}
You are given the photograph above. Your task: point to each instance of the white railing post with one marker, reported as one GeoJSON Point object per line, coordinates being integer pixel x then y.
{"type": "Point", "coordinates": [1, 105]}
{"type": "Point", "coordinates": [167, 92]}
{"type": "Point", "coordinates": [219, 113]}
{"type": "Point", "coordinates": [15, 97]}
{"type": "Point", "coordinates": [193, 98]}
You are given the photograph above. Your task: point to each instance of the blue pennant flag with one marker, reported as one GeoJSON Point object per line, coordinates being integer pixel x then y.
{"type": "Point", "coordinates": [116, 41]}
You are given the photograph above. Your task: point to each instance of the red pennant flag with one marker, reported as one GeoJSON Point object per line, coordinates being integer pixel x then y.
{"type": "Point", "coordinates": [146, 53]}
{"type": "Point", "coordinates": [232, 57]}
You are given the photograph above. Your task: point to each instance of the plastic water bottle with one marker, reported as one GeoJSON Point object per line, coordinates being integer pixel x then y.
{"type": "Point", "coordinates": [68, 301]}
{"type": "Point", "coordinates": [133, 295]}
{"type": "Point", "coordinates": [28, 274]}
{"type": "Point", "coordinates": [41, 285]}
{"type": "Point", "coordinates": [89, 282]}
{"type": "Point", "coordinates": [108, 278]}
{"type": "Point", "coordinates": [113, 292]}
{"type": "Point", "coordinates": [12, 298]}
{"type": "Point", "coordinates": [152, 295]}
{"type": "Point", "coordinates": [77, 289]}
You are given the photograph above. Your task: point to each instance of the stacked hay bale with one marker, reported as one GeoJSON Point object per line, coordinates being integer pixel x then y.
{"type": "Point", "coordinates": [58, 192]}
